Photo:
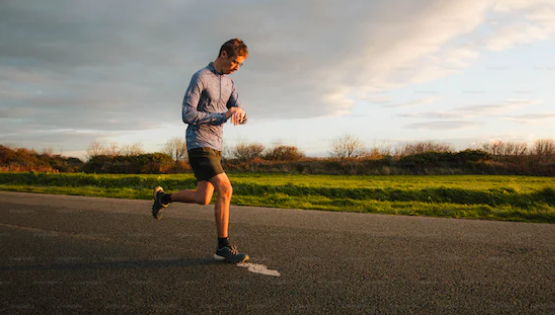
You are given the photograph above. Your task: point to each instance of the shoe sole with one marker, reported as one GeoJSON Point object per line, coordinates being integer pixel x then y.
{"type": "Point", "coordinates": [159, 215]}
{"type": "Point", "coordinates": [156, 190]}
{"type": "Point", "coordinates": [222, 258]}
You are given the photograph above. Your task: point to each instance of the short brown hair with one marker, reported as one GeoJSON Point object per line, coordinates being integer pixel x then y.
{"type": "Point", "coordinates": [234, 47]}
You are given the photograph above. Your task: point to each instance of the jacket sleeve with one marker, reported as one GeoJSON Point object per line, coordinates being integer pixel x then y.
{"type": "Point", "coordinates": [190, 113]}
{"type": "Point", "coordinates": [234, 101]}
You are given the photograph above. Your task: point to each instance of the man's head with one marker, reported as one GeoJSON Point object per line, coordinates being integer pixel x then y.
{"type": "Point", "coordinates": [231, 56]}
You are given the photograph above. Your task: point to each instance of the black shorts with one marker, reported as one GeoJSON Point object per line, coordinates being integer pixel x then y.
{"type": "Point", "coordinates": [205, 162]}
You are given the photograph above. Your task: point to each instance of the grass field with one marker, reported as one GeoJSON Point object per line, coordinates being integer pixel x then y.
{"type": "Point", "coordinates": [513, 198]}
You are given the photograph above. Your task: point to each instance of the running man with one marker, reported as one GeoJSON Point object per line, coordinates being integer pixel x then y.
{"type": "Point", "coordinates": [210, 101]}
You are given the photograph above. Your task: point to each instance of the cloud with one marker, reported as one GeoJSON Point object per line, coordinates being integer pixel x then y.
{"type": "Point", "coordinates": [421, 101]}
{"type": "Point", "coordinates": [517, 22]}
{"type": "Point", "coordinates": [444, 125]}
{"type": "Point", "coordinates": [376, 99]}
{"type": "Point", "coordinates": [59, 139]}
{"type": "Point", "coordinates": [533, 119]}
{"type": "Point", "coordinates": [475, 111]}
{"type": "Point", "coordinates": [470, 112]}
{"type": "Point", "coordinates": [110, 66]}
{"type": "Point", "coordinates": [495, 109]}
{"type": "Point", "coordinates": [488, 25]}
{"type": "Point", "coordinates": [436, 115]}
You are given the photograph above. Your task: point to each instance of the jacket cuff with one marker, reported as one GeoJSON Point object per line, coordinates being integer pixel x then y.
{"type": "Point", "coordinates": [222, 119]}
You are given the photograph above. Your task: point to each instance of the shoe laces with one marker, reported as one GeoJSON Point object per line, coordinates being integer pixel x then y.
{"type": "Point", "coordinates": [233, 249]}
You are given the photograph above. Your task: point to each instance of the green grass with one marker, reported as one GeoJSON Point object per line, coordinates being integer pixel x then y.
{"type": "Point", "coordinates": [513, 198]}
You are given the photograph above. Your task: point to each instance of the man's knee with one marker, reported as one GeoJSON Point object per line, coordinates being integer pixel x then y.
{"type": "Point", "coordinates": [225, 190]}
{"type": "Point", "coordinates": [222, 185]}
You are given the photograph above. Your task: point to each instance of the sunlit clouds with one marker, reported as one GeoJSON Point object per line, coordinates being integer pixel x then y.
{"type": "Point", "coordinates": [72, 72]}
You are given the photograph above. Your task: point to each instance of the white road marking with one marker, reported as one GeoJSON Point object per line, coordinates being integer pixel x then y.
{"type": "Point", "coordinates": [258, 268]}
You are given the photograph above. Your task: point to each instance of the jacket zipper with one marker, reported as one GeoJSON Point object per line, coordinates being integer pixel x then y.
{"type": "Point", "coordinates": [220, 99]}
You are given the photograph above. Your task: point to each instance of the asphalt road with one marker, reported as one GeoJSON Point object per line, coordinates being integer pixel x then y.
{"type": "Point", "coordinates": [80, 255]}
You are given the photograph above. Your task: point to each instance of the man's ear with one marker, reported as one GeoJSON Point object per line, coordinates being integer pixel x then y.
{"type": "Point", "coordinates": [223, 54]}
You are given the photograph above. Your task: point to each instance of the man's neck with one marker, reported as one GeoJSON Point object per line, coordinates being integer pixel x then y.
{"type": "Point", "coordinates": [217, 65]}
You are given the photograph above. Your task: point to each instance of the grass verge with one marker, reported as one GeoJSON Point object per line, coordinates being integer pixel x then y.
{"type": "Point", "coordinates": [511, 198]}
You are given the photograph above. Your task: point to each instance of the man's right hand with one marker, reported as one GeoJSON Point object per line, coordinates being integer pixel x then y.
{"type": "Point", "coordinates": [237, 115]}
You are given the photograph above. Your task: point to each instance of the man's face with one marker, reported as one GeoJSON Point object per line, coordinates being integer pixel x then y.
{"type": "Point", "coordinates": [231, 64]}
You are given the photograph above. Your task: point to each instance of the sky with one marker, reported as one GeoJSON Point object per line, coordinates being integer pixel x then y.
{"type": "Point", "coordinates": [462, 72]}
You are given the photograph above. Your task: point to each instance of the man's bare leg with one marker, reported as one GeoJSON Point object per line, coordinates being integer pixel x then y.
{"type": "Point", "coordinates": [202, 195]}
{"type": "Point", "coordinates": [225, 250]}
{"type": "Point", "coordinates": [223, 187]}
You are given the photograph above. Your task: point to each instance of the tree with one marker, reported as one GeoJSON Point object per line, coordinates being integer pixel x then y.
{"type": "Point", "coordinates": [247, 151]}
{"type": "Point", "coordinates": [379, 151]}
{"type": "Point", "coordinates": [505, 148]}
{"type": "Point", "coordinates": [517, 148]}
{"type": "Point", "coordinates": [132, 149]}
{"type": "Point", "coordinates": [423, 147]}
{"type": "Point", "coordinates": [176, 148]}
{"type": "Point", "coordinates": [544, 149]}
{"type": "Point", "coordinates": [228, 153]}
{"type": "Point", "coordinates": [113, 150]}
{"type": "Point", "coordinates": [48, 151]}
{"type": "Point", "coordinates": [347, 146]}
{"type": "Point", "coordinates": [95, 149]}
{"type": "Point", "coordinates": [283, 153]}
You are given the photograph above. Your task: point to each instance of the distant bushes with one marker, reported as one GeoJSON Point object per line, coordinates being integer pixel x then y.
{"type": "Point", "coordinates": [283, 153]}
{"type": "Point", "coordinates": [21, 159]}
{"type": "Point", "coordinates": [429, 163]}
{"type": "Point", "coordinates": [415, 159]}
{"type": "Point", "coordinates": [247, 151]}
{"type": "Point", "coordinates": [149, 163]}
{"type": "Point", "coordinates": [444, 159]}
{"type": "Point", "coordinates": [25, 160]}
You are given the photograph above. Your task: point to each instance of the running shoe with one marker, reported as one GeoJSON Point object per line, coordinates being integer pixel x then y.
{"type": "Point", "coordinates": [230, 254]}
{"type": "Point", "coordinates": [158, 206]}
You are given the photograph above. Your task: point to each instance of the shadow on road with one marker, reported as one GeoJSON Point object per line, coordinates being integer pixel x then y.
{"type": "Point", "coordinates": [129, 264]}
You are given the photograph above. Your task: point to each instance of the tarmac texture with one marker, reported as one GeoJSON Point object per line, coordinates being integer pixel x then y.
{"type": "Point", "coordinates": [83, 255]}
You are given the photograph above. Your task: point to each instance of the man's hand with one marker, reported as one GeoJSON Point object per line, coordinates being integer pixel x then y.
{"type": "Point", "coordinates": [237, 115]}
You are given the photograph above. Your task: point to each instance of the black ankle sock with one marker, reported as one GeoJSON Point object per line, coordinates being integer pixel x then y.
{"type": "Point", "coordinates": [167, 198]}
{"type": "Point", "coordinates": [223, 242]}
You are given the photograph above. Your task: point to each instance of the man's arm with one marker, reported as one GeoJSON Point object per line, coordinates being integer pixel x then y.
{"type": "Point", "coordinates": [190, 114]}
{"type": "Point", "coordinates": [234, 102]}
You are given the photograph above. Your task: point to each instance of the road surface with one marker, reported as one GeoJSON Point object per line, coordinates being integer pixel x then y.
{"type": "Point", "coordinates": [82, 255]}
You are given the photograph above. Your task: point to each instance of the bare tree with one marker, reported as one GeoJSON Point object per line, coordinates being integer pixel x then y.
{"type": "Point", "coordinates": [544, 149]}
{"type": "Point", "coordinates": [227, 153]}
{"type": "Point", "coordinates": [113, 149]}
{"type": "Point", "coordinates": [514, 148]}
{"type": "Point", "coordinates": [375, 153]}
{"type": "Point", "coordinates": [284, 153]}
{"type": "Point", "coordinates": [520, 148]}
{"type": "Point", "coordinates": [94, 149]}
{"type": "Point", "coordinates": [379, 150]}
{"type": "Point", "coordinates": [48, 151]}
{"type": "Point", "coordinates": [347, 146]}
{"type": "Point", "coordinates": [497, 147]}
{"type": "Point", "coordinates": [132, 149]}
{"type": "Point", "coordinates": [8, 145]}
{"type": "Point", "coordinates": [247, 151]}
{"type": "Point", "coordinates": [423, 147]}
{"type": "Point", "coordinates": [97, 148]}
{"type": "Point", "coordinates": [176, 148]}
{"type": "Point", "coordinates": [505, 148]}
